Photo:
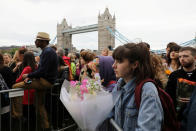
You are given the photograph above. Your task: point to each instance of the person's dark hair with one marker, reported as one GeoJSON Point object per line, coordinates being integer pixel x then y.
{"type": "Point", "coordinates": [66, 51]}
{"type": "Point", "coordinates": [110, 48]}
{"type": "Point", "coordinates": [61, 61]}
{"type": "Point", "coordinates": [82, 50]}
{"type": "Point", "coordinates": [136, 52]}
{"type": "Point", "coordinates": [148, 46]}
{"type": "Point", "coordinates": [170, 44]}
{"type": "Point", "coordinates": [1, 61]}
{"type": "Point", "coordinates": [60, 52]}
{"type": "Point", "coordinates": [173, 48]}
{"type": "Point", "coordinates": [54, 47]}
{"type": "Point", "coordinates": [163, 56]}
{"type": "Point", "coordinates": [87, 55]}
{"type": "Point", "coordinates": [191, 49]}
{"type": "Point", "coordinates": [22, 50]}
{"type": "Point", "coordinates": [29, 60]}
{"type": "Point", "coordinates": [77, 55]}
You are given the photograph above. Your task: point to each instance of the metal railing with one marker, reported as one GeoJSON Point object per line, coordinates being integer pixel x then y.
{"type": "Point", "coordinates": [58, 117]}
{"type": "Point", "coordinates": [115, 125]}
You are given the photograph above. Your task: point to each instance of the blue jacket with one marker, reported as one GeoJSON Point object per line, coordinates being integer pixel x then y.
{"type": "Point", "coordinates": [150, 115]}
{"type": "Point", "coordinates": [48, 66]}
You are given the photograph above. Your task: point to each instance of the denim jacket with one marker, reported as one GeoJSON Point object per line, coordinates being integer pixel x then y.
{"type": "Point", "coordinates": [150, 114]}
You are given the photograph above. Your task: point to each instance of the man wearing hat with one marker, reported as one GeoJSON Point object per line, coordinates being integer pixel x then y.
{"type": "Point", "coordinates": [44, 77]}
{"type": "Point", "coordinates": [47, 69]}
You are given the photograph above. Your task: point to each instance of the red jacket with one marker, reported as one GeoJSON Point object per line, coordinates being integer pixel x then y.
{"type": "Point", "coordinates": [66, 60]}
{"type": "Point", "coordinates": [26, 70]}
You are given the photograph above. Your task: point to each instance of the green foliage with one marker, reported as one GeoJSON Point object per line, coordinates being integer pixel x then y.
{"type": "Point", "coordinates": [10, 51]}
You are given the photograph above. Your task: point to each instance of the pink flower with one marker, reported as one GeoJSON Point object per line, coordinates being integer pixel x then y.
{"type": "Point", "coordinates": [84, 82]}
{"type": "Point", "coordinates": [83, 89]}
{"type": "Point", "coordinates": [73, 83]}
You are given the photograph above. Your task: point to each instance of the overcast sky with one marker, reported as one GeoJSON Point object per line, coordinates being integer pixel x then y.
{"type": "Point", "coordinates": [154, 21]}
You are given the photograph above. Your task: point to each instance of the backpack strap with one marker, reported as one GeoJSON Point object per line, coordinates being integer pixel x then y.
{"type": "Point", "coordinates": [3, 84]}
{"type": "Point", "coordinates": [138, 91]}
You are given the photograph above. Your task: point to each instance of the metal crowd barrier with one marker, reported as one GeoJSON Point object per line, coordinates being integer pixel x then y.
{"type": "Point", "coordinates": [58, 117]}
{"type": "Point", "coordinates": [116, 127]}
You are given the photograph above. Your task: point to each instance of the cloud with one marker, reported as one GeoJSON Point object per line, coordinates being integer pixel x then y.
{"type": "Point", "coordinates": [155, 21]}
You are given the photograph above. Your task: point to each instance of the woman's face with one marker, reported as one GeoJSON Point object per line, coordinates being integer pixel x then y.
{"type": "Point", "coordinates": [174, 55]}
{"type": "Point", "coordinates": [104, 53]}
{"type": "Point", "coordinates": [21, 57]}
{"type": "Point", "coordinates": [6, 59]}
{"type": "Point", "coordinates": [122, 69]}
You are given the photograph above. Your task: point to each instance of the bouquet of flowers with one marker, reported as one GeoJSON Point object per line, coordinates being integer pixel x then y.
{"type": "Point", "coordinates": [89, 86]}
{"type": "Point", "coordinates": [184, 91]}
{"type": "Point", "coordinates": [87, 102]}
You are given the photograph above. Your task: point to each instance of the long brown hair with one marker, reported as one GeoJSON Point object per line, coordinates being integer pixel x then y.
{"type": "Point", "coordinates": [1, 61]}
{"type": "Point", "coordinates": [87, 55]}
{"type": "Point", "coordinates": [136, 52]}
{"type": "Point", "coordinates": [160, 76]}
{"type": "Point", "coordinates": [173, 48]}
{"type": "Point", "coordinates": [29, 60]}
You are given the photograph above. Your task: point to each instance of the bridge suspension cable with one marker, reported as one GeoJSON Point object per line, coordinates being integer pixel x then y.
{"type": "Point", "coordinates": [52, 41]}
{"type": "Point", "coordinates": [115, 33]}
{"type": "Point", "coordinates": [120, 37]}
{"type": "Point", "coordinates": [187, 43]}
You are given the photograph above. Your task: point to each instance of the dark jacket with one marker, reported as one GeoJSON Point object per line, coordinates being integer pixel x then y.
{"type": "Point", "coordinates": [62, 75]}
{"type": "Point", "coordinates": [188, 123]}
{"type": "Point", "coordinates": [172, 82]}
{"type": "Point", "coordinates": [48, 65]}
{"type": "Point", "coordinates": [7, 76]}
{"type": "Point", "coordinates": [18, 71]}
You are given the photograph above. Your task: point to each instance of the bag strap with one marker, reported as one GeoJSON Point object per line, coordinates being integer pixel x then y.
{"type": "Point", "coordinates": [138, 91]}
{"type": "Point", "coordinates": [3, 85]}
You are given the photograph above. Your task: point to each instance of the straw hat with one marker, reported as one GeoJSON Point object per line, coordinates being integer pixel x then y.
{"type": "Point", "coordinates": [42, 36]}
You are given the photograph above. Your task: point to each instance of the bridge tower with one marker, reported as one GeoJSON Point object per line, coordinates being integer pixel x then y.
{"type": "Point", "coordinates": [65, 32]}
{"type": "Point", "coordinates": [64, 40]}
{"type": "Point", "coordinates": [104, 37]}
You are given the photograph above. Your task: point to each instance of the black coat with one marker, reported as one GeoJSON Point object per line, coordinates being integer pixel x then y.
{"type": "Point", "coordinates": [7, 76]}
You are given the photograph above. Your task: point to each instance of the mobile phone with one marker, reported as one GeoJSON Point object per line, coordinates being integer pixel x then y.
{"type": "Point", "coordinates": [29, 81]}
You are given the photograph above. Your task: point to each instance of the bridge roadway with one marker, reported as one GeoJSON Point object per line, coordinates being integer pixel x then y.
{"type": "Point", "coordinates": [82, 29]}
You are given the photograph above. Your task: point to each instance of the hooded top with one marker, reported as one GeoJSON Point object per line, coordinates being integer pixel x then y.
{"type": "Point", "coordinates": [105, 69]}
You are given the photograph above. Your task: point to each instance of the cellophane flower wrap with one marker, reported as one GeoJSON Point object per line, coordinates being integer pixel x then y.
{"type": "Point", "coordinates": [86, 101]}
{"type": "Point", "coordinates": [184, 91]}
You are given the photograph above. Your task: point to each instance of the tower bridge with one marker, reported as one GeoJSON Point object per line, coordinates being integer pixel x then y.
{"type": "Point", "coordinates": [82, 29]}
{"type": "Point", "coordinates": [105, 20]}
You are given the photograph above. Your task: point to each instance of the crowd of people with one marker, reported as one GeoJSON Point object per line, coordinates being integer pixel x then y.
{"type": "Point", "coordinates": [122, 69]}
